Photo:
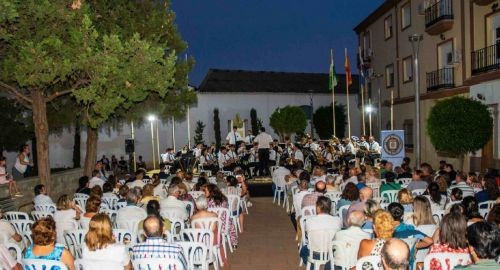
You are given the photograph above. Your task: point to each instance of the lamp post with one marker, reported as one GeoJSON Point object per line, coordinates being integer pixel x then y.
{"type": "Point", "coordinates": [369, 110]}
{"type": "Point", "coordinates": [312, 112]}
{"type": "Point", "coordinates": [415, 40]}
{"type": "Point", "coordinates": [158, 142]}
{"type": "Point", "coordinates": [152, 119]}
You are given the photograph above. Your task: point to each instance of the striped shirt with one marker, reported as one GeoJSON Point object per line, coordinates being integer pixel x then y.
{"type": "Point", "coordinates": [466, 189]}
{"type": "Point", "coordinates": [156, 247]}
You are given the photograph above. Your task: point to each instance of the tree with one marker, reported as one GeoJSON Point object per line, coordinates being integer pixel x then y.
{"type": "Point", "coordinates": [288, 120]}
{"type": "Point", "coordinates": [16, 125]}
{"type": "Point", "coordinates": [217, 128]}
{"type": "Point", "coordinates": [323, 121]}
{"type": "Point", "coordinates": [254, 122]}
{"type": "Point", "coordinates": [198, 137]}
{"type": "Point", "coordinates": [459, 126]}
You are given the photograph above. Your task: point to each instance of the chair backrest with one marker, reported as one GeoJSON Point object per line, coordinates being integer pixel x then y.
{"type": "Point", "coordinates": [189, 207]}
{"type": "Point", "coordinates": [418, 192]}
{"type": "Point", "coordinates": [176, 226]}
{"type": "Point", "coordinates": [40, 214]}
{"type": "Point", "coordinates": [404, 181]}
{"type": "Point", "coordinates": [211, 223]}
{"type": "Point", "coordinates": [109, 201]}
{"type": "Point", "coordinates": [111, 213]}
{"type": "Point", "coordinates": [81, 202]}
{"type": "Point", "coordinates": [86, 264]}
{"type": "Point", "coordinates": [26, 239]}
{"type": "Point", "coordinates": [195, 253]}
{"type": "Point", "coordinates": [203, 236]}
{"type": "Point", "coordinates": [80, 195]}
{"type": "Point", "coordinates": [447, 260]}
{"type": "Point", "coordinates": [40, 264]}
{"type": "Point", "coordinates": [343, 212]}
{"type": "Point", "coordinates": [223, 214]}
{"type": "Point", "coordinates": [321, 242]}
{"type": "Point", "coordinates": [11, 247]}
{"type": "Point", "coordinates": [157, 264]}
{"type": "Point", "coordinates": [22, 225]}
{"type": "Point", "coordinates": [389, 196]}
{"type": "Point", "coordinates": [373, 260]}
{"type": "Point", "coordinates": [308, 211]}
{"type": "Point", "coordinates": [486, 204]}
{"type": "Point", "coordinates": [14, 215]}
{"type": "Point", "coordinates": [438, 215]}
{"type": "Point", "coordinates": [124, 236]}
{"type": "Point", "coordinates": [50, 207]}
{"type": "Point", "coordinates": [233, 202]}
{"type": "Point", "coordinates": [333, 195]}
{"type": "Point", "coordinates": [195, 194]}
{"type": "Point", "coordinates": [131, 225]}
{"type": "Point", "coordinates": [74, 240]}
{"type": "Point", "coordinates": [120, 205]}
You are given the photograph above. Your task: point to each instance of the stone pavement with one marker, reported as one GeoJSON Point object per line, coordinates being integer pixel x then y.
{"type": "Point", "coordinates": [268, 241]}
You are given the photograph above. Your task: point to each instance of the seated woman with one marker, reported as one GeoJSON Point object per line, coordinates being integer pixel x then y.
{"type": "Point", "coordinates": [202, 180]}
{"type": "Point", "coordinates": [471, 210]}
{"type": "Point", "coordinates": [215, 199]}
{"type": "Point", "coordinates": [371, 207]}
{"type": "Point", "coordinates": [44, 244]}
{"type": "Point", "coordinates": [406, 200]}
{"type": "Point", "coordinates": [452, 238]}
{"type": "Point", "coordinates": [349, 195]}
{"type": "Point", "coordinates": [484, 243]}
{"type": "Point", "coordinates": [489, 191]}
{"type": "Point", "coordinates": [66, 216]}
{"type": "Point", "coordinates": [455, 198]}
{"type": "Point", "coordinates": [91, 209]}
{"type": "Point", "coordinates": [100, 248]}
{"type": "Point", "coordinates": [148, 194]}
{"type": "Point", "coordinates": [383, 228]}
{"type": "Point", "coordinates": [202, 206]}
{"type": "Point", "coordinates": [5, 179]}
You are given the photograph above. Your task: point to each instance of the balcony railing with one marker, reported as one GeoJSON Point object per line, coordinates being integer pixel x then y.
{"type": "Point", "coordinates": [486, 59]}
{"type": "Point", "coordinates": [439, 17]}
{"type": "Point", "coordinates": [441, 78]}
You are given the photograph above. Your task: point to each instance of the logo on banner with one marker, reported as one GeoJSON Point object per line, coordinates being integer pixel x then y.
{"type": "Point", "coordinates": [393, 144]}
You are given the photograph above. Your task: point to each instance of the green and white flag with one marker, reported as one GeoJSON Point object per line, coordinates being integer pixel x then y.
{"type": "Point", "coordinates": [333, 75]}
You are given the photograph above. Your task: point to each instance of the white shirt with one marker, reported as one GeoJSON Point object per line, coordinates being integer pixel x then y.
{"type": "Point", "coordinates": [223, 158]}
{"type": "Point", "coordinates": [263, 139]}
{"type": "Point", "coordinates": [350, 148]}
{"type": "Point", "coordinates": [173, 204]}
{"type": "Point", "coordinates": [365, 144]}
{"type": "Point", "coordinates": [65, 221]}
{"type": "Point", "coordinates": [136, 183]}
{"type": "Point", "coordinates": [129, 213]}
{"type": "Point", "coordinates": [314, 146]}
{"type": "Point", "coordinates": [249, 139]}
{"type": "Point", "coordinates": [42, 199]}
{"type": "Point", "coordinates": [323, 222]}
{"type": "Point", "coordinates": [159, 191]}
{"type": "Point", "coordinates": [279, 176]}
{"type": "Point", "coordinates": [297, 201]}
{"type": "Point", "coordinates": [233, 137]}
{"type": "Point", "coordinates": [7, 231]}
{"type": "Point", "coordinates": [96, 181]}
{"type": "Point", "coordinates": [272, 155]}
{"type": "Point", "coordinates": [197, 152]}
{"type": "Point", "coordinates": [20, 167]}
{"type": "Point", "coordinates": [167, 157]}
{"type": "Point", "coordinates": [112, 257]}
{"type": "Point", "coordinates": [346, 246]}
{"type": "Point", "coordinates": [374, 147]}
{"type": "Point", "coordinates": [298, 155]}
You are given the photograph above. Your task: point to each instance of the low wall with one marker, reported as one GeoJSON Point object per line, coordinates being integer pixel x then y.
{"type": "Point", "coordinates": [65, 182]}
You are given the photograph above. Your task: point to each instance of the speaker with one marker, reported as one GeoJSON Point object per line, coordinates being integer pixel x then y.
{"type": "Point", "coordinates": [129, 146]}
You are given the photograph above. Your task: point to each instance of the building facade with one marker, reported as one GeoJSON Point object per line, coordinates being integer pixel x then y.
{"type": "Point", "coordinates": [458, 55]}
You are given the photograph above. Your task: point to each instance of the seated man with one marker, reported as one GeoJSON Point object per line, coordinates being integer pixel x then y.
{"type": "Point", "coordinates": [347, 241]}
{"type": "Point", "coordinates": [172, 205]}
{"type": "Point", "coordinates": [41, 195]}
{"type": "Point", "coordinates": [8, 233]}
{"type": "Point", "coordinates": [323, 223]}
{"type": "Point", "coordinates": [310, 199]}
{"type": "Point", "coordinates": [96, 180]}
{"type": "Point", "coordinates": [395, 254]}
{"type": "Point", "coordinates": [139, 175]}
{"type": "Point", "coordinates": [130, 212]}
{"type": "Point", "coordinates": [365, 194]}
{"type": "Point", "coordinates": [155, 246]}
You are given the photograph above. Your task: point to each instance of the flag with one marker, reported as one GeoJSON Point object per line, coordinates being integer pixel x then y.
{"type": "Point", "coordinates": [347, 67]}
{"type": "Point", "coordinates": [333, 75]}
{"type": "Point", "coordinates": [361, 67]}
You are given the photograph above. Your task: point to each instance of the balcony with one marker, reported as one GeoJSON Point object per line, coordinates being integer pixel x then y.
{"type": "Point", "coordinates": [439, 17]}
{"type": "Point", "coordinates": [440, 79]}
{"type": "Point", "coordinates": [486, 59]}
{"type": "Point", "coordinates": [483, 2]}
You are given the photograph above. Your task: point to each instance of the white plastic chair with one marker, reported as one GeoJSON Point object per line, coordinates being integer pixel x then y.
{"type": "Point", "coordinates": [120, 205]}
{"type": "Point", "coordinates": [14, 247]}
{"type": "Point", "coordinates": [157, 264]}
{"type": "Point", "coordinates": [40, 264]}
{"type": "Point", "coordinates": [50, 207]}
{"type": "Point", "coordinates": [333, 195]}
{"type": "Point", "coordinates": [212, 224]}
{"type": "Point", "coordinates": [343, 212]}
{"type": "Point", "coordinates": [438, 215]}
{"type": "Point", "coordinates": [111, 214]}
{"type": "Point", "coordinates": [447, 260]}
{"type": "Point", "coordinates": [26, 239]}
{"type": "Point", "coordinates": [80, 202]}
{"type": "Point", "coordinates": [404, 181]}
{"type": "Point", "coordinates": [80, 195]}
{"type": "Point", "coordinates": [320, 244]}
{"type": "Point", "coordinates": [176, 226]}
{"type": "Point", "coordinates": [22, 225]}
{"type": "Point", "coordinates": [14, 215]}
{"type": "Point", "coordinates": [234, 202]}
{"type": "Point", "coordinates": [196, 254]}
{"type": "Point", "coordinates": [125, 237]}
{"type": "Point", "coordinates": [109, 201]}
{"type": "Point", "coordinates": [308, 211]}
{"type": "Point", "coordinates": [205, 237]}
{"type": "Point", "coordinates": [227, 173]}
{"type": "Point", "coordinates": [389, 196]}
{"type": "Point", "coordinates": [131, 225]}
{"type": "Point", "coordinates": [74, 240]}
{"type": "Point", "coordinates": [195, 194]}
{"type": "Point", "coordinates": [85, 264]}
{"type": "Point", "coordinates": [373, 260]}
{"type": "Point", "coordinates": [40, 214]}
{"type": "Point", "coordinates": [280, 189]}
{"type": "Point", "coordinates": [189, 206]}
{"type": "Point", "coordinates": [418, 192]}
{"type": "Point", "coordinates": [224, 217]}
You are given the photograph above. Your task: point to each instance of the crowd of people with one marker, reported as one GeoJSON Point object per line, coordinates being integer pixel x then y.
{"type": "Point", "coordinates": [396, 215]}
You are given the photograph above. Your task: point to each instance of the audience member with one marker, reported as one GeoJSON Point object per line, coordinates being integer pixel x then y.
{"type": "Point", "coordinates": [66, 216]}
{"type": "Point", "coordinates": [461, 184]}
{"type": "Point", "coordinates": [96, 179]}
{"type": "Point", "coordinates": [494, 215]}
{"type": "Point", "coordinates": [417, 182]}
{"type": "Point", "coordinates": [365, 194]}
{"type": "Point", "coordinates": [83, 185]}
{"type": "Point", "coordinates": [41, 195]}
{"type": "Point", "coordinates": [7, 261]}
{"type": "Point", "coordinates": [484, 244]}
{"type": "Point", "coordinates": [138, 182]}
{"type": "Point", "coordinates": [131, 212]}
{"type": "Point", "coordinates": [91, 209]}
{"type": "Point", "coordinates": [349, 195]}
{"type": "Point", "coordinates": [371, 207]}
{"type": "Point", "coordinates": [404, 230]}
{"type": "Point", "coordinates": [7, 232]}
{"type": "Point", "coordinates": [471, 210]}
{"type": "Point", "coordinates": [395, 255]}
{"type": "Point", "coordinates": [172, 205]}
{"type": "Point", "coordinates": [148, 194]}
{"type": "Point", "coordinates": [217, 199]}
{"type": "Point", "coordinates": [437, 200]}
{"type": "Point", "coordinates": [406, 199]}
{"type": "Point", "coordinates": [346, 242]}
{"type": "Point", "coordinates": [390, 184]}
{"type": "Point", "coordinates": [489, 190]}
{"type": "Point", "coordinates": [383, 228]}
{"type": "Point", "coordinates": [422, 216]}
{"type": "Point", "coordinates": [310, 199]}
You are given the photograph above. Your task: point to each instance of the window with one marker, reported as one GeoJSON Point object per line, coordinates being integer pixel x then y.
{"type": "Point", "coordinates": [408, 130]}
{"type": "Point", "coordinates": [388, 27]}
{"type": "Point", "coordinates": [406, 16]}
{"type": "Point", "coordinates": [389, 76]}
{"type": "Point", "coordinates": [367, 44]}
{"type": "Point", "coordinates": [407, 69]}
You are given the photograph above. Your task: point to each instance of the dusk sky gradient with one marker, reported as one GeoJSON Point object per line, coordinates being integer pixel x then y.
{"type": "Point", "coordinates": [272, 35]}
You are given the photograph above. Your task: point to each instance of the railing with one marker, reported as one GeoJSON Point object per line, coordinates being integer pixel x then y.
{"type": "Point", "coordinates": [441, 78]}
{"type": "Point", "coordinates": [442, 10]}
{"type": "Point", "coordinates": [486, 59]}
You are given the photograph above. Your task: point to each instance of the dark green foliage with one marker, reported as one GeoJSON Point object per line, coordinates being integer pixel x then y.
{"type": "Point", "coordinates": [288, 120]}
{"type": "Point", "coordinates": [198, 133]}
{"type": "Point", "coordinates": [323, 121]}
{"type": "Point", "coordinates": [16, 123]}
{"type": "Point", "coordinates": [459, 125]}
{"type": "Point", "coordinates": [254, 122]}
{"type": "Point", "coordinates": [217, 128]}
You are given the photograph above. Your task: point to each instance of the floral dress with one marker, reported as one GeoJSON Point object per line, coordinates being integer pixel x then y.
{"type": "Point", "coordinates": [441, 248]}
{"type": "Point", "coordinates": [55, 255]}
{"type": "Point", "coordinates": [232, 228]}
{"type": "Point", "coordinates": [375, 252]}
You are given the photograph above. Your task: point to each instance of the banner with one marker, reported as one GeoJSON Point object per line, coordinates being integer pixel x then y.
{"type": "Point", "coordinates": [393, 146]}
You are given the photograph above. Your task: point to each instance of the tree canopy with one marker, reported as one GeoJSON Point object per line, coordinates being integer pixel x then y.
{"type": "Point", "coordinates": [459, 125]}
{"type": "Point", "coordinates": [288, 120]}
{"type": "Point", "coordinates": [323, 121]}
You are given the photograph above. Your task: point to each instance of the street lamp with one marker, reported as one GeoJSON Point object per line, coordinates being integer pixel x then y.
{"type": "Point", "coordinates": [369, 109]}
{"type": "Point", "coordinates": [415, 40]}
{"type": "Point", "coordinates": [151, 119]}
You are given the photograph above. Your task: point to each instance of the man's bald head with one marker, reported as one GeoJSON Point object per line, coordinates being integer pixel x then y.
{"type": "Point", "coordinates": [153, 226]}
{"type": "Point", "coordinates": [365, 194]}
{"type": "Point", "coordinates": [395, 254]}
{"type": "Point", "coordinates": [356, 218]}
{"type": "Point", "coordinates": [320, 187]}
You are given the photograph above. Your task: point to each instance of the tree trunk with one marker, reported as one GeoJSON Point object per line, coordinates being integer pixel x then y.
{"type": "Point", "coordinates": [76, 145]}
{"type": "Point", "coordinates": [91, 154]}
{"type": "Point", "coordinates": [40, 123]}
{"type": "Point", "coordinates": [461, 160]}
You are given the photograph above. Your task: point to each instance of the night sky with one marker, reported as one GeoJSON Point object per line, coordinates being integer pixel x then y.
{"type": "Point", "coordinates": [275, 35]}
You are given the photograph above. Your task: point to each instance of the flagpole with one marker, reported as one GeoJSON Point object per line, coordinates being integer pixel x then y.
{"type": "Point", "coordinates": [333, 96]}
{"type": "Point", "coordinates": [370, 116]}
{"type": "Point", "coordinates": [347, 95]}
{"type": "Point", "coordinates": [362, 90]}
{"type": "Point", "coordinates": [392, 109]}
